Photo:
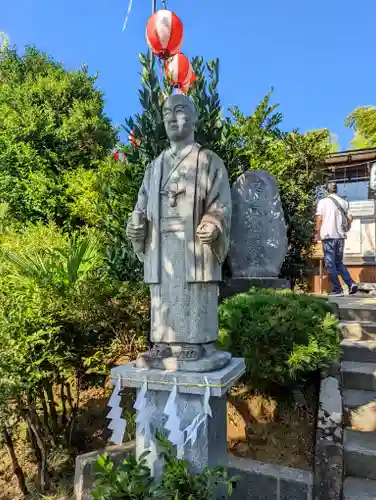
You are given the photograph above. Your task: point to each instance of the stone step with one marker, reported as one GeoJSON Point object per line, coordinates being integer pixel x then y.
{"type": "Point", "coordinates": [353, 399]}
{"type": "Point", "coordinates": [367, 287]}
{"type": "Point", "coordinates": [360, 454]}
{"type": "Point", "coordinates": [359, 330]}
{"type": "Point", "coordinates": [359, 376]}
{"type": "Point", "coordinates": [355, 488]}
{"type": "Point", "coordinates": [357, 313]}
{"type": "Point", "coordinates": [359, 350]}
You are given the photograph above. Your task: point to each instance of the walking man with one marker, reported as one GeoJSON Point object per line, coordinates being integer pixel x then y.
{"type": "Point", "coordinates": [333, 221]}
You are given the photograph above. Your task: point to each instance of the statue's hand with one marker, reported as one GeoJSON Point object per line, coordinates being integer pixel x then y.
{"type": "Point", "coordinates": [207, 232]}
{"type": "Point", "coordinates": [135, 231]}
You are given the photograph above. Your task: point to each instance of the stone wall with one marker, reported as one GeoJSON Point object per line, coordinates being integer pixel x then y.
{"type": "Point", "coordinates": [328, 469]}
{"type": "Point", "coordinates": [84, 471]}
{"type": "Point", "coordinates": [259, 481]}
{"type": "Point", "coordinates": [262, 481]}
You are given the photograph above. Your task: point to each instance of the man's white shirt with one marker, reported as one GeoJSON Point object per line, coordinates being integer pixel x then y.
{"type": "Point", "coordinates": [331, 226]}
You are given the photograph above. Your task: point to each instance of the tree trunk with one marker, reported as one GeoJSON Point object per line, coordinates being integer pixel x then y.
{"type": "Point", "coordinates": [17, 470]}
{"type": "Point", "coordinates": [44, 428]}
{"type": "Point", "coordinates": [69, 395]}
{"type": "Point", "coordinates": [46, 416]}
{"type": "Point", "coordinates": [75, 408]}
{"type": "Point", "coordinates": [63, 398]}
{"type": "Point", "coordinates": [78, 390]}
{"type": "Point", "coordinates": [52, 406]}
{"type": "Point", "coordinates": [33, 443]}
{"type": "Point", "coordinates": [42, 463]}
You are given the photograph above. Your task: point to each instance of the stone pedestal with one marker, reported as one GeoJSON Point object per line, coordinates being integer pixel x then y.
{"type": "Point", "coordinates": [210, 447]}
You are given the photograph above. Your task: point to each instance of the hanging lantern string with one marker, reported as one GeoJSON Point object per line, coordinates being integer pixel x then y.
{"type": "Point", "coordinates": [164, 3]}
{"type": "Point", "coordinates": [127, 15]}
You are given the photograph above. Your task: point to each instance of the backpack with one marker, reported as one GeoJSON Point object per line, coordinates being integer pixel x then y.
{"type": "Point", "coordinates": [345, 224]}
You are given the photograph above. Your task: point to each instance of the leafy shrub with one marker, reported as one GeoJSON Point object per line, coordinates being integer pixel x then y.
{"type": "Point", "coordinates": [59, 315]}
{"type": "Point", "coordinates": [51, 122]}
{"type": "Point", "coordinates": [282, 335]}
{"type": "Point", "coordinates": [132, 479]}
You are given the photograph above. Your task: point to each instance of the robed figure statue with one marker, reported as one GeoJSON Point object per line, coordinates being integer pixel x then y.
{"type": "Point", "coordinates": [180, 230]}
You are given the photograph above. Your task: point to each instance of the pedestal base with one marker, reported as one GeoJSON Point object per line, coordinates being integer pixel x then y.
{"type": "Point", "coordinates": [216, 360]}
{"type": "Point", "coordinates": [210, 447]}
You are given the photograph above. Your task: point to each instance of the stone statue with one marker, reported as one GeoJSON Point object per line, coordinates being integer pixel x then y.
{"type": "Point", "coordinates": [180, 230]}
{"type": "Point", "coordinates": [258, 230]}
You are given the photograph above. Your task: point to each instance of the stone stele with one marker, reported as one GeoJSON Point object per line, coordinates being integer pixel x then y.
{"type": "Point", "coordinates": [258, 241]}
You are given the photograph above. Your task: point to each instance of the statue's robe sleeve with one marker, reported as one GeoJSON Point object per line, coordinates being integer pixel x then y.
{"type": "Point", "coordinates": [213, 204]}
{"type": "Point", "coordinates": [142, 207]}
{"type": "Point", "coordinates": [143, 193]}
{"type": "Point", "coordinates": [148, 205]}
{"type": "Point", "coordinates": [218, 205]}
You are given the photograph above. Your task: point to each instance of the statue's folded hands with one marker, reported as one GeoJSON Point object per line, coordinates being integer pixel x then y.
{"type": "Point", "coordinates": [207, 232]}
{"type": "Point", "coordinates": [135, 232]}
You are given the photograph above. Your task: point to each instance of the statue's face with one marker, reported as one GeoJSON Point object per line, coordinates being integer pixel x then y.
{"type": "Point", "coordinates": [179, 118]}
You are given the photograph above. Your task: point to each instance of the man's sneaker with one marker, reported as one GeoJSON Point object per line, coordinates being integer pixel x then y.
{"type": "Point", "coordinates": [353, 289]}
{"type": "Point", "coordinates": [336, 294]}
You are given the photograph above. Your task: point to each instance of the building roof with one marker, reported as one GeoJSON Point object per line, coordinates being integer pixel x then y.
{"type": "Point", "coordinates": [351, 157]}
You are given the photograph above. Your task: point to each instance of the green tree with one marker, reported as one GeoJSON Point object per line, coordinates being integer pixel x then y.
{"type": "Point", "coordinates": [363, 121]}
{"type": "Point", "coordinates": [4, 41]}
{"type": "Point", "coordinates": [51, 122]}
{"type": "Point", "coordinates": [332, 139]}
{"type": "Point", "coordinates": [333, 143]}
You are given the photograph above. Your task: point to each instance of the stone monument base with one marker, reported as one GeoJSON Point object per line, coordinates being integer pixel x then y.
{"type": "Point", "coordinates": [232, 286]}
{"type": "Point", "coordinates": [210, 447]}
{"type": "Point", "coordinates": [213, 360]}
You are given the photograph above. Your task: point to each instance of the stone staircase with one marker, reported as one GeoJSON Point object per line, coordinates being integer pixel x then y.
{"type": "Point", "coordinates": [358, 324]}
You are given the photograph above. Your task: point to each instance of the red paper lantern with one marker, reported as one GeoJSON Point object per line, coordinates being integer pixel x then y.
{"type": "Point", "coordinates": [164, 33]}
{"type": "Point", "coordinates": [179, 70]}
{"type": "Point", "coordinates": [132, 139]}
{"type": "Point", "coordinates": [119, 156]}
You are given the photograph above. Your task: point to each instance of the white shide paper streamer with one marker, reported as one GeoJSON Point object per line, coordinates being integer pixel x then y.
{"type": "Point", "coordinates": [176, 436]}
{"type": "Point", "coordinates": [117, 424]}
{"type": "Point", "coordinates": [181, 438]}
{"type": "Point", "coordinates": [143, 418]}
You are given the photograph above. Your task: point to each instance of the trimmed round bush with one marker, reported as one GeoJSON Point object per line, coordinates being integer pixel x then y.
{"type": "Point", "coordinates": [283, 336]}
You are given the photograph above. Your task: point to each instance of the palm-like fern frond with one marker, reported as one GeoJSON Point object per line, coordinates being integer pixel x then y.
{"type": "Point", "coordinates": [60, 267]}
{"type": "Point", "coordinates": [33, 267]}
{"type": "Point", "coordinates": [83, 256]}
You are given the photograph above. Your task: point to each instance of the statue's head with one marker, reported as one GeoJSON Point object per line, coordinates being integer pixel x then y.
{"type": "Point", "coordinates": [179, 116]}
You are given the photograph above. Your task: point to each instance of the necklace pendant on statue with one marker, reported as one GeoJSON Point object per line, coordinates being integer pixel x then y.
{"type": "Point", "coordinates": [172, 199]}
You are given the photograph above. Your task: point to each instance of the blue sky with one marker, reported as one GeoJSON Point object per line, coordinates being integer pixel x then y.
{"type": "Point", "coordinates": [318, 55]}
